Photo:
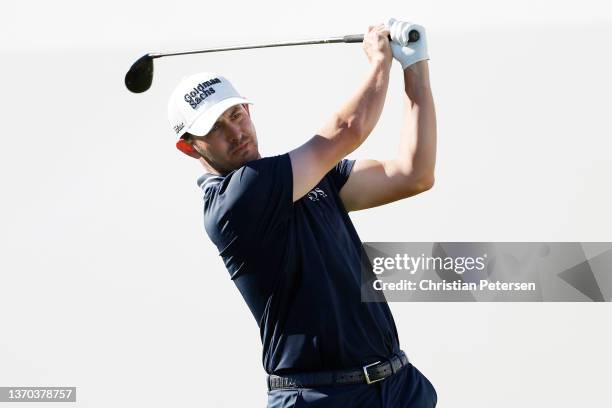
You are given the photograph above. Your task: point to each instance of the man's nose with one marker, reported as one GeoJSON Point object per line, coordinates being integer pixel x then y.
{"type": "Point", "coordinates": [233, 132]}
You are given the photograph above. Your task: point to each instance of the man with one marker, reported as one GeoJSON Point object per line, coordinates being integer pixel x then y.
{"type": "Point", "coordinates": [282, 228]}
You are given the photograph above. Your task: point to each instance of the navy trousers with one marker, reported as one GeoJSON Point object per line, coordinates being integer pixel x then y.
{"type": "Point", "coordinates": [408, 388]}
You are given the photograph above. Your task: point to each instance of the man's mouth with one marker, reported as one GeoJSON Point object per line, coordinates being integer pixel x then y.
{"type": "Point", "coordinates": [240, 147]}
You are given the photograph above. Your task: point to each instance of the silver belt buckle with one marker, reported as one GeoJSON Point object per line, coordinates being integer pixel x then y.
{"type": "Point", "coordinates": [367, 376]}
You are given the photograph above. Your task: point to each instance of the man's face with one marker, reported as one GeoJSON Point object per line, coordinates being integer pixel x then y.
{"type": "Point", "coordinates": [231, 142]}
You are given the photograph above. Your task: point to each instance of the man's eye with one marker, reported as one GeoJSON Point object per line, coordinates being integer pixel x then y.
{"type": "Point", "coordinates": [236, 115]}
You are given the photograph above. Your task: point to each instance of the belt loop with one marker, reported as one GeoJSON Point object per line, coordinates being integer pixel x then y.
{"type": "Point", "coordinates": [403, 355]}
{"type": "Point", "coordinates": [393, 370]}
{"type": "Point", "coordinates": [268, 383]}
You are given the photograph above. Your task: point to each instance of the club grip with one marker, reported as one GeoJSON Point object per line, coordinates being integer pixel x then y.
{"type": "Point", "coordinates": [353, 38]}
{"type": "Point", "coordinates": [413, 36]}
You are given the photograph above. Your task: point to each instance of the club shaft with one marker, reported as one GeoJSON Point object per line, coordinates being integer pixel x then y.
{"type": "Point", "coordinates": [247, 47]}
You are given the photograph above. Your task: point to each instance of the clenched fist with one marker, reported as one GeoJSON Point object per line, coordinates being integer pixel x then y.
{"type": "Point", "coordinates": [403, 51]}
{"type": "Point", "coordinates": [376, 44]}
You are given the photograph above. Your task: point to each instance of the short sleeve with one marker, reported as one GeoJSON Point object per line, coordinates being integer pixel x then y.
{"type": "Point", "coordinates": [341, 172]}
{"type": "Point", "coordinates": [250, 203]}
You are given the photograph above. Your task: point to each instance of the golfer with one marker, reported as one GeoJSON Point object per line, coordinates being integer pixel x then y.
{"type": "Point", "coordinates": [282, 228]}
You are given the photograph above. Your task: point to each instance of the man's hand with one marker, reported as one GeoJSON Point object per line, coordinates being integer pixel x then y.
{"type": "Point", "coordinates": [376, 44]}
{"type": "Point", "coordinates": [407, 53]}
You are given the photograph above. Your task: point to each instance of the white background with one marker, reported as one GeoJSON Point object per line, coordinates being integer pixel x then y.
{"type": "Point", "coordinates": [108, 282]}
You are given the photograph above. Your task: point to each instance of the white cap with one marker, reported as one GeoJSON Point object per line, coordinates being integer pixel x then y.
{"type": "Point", "coordinates": [198, 101]}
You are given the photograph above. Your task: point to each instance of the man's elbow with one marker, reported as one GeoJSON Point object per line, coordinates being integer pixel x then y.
{"type": "Point", "coordinates": [347, 130]}
{"type": "Point", "coordinates": [427, 183]}
{"type": "Point", "coordinates": [421, 185]}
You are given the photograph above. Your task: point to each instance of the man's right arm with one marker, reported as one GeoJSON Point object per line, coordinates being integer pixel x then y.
{"type": "Point", "coordinates": [351, 125]}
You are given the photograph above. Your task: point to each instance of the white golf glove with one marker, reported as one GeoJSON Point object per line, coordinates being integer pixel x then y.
{"type": "Point", "coordinates": [403, 51]}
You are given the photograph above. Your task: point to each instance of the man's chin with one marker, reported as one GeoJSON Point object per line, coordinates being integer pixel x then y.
{"type": "Point", "coordinates": [245, 158]}
{"type": "Point", "coordinates": [249, 154]}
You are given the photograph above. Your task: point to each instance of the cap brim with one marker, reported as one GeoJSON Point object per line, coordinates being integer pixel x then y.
{"type": "Point", "coordinates": [205, 122]}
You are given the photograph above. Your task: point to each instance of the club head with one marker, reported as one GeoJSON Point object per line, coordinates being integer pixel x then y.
{"type": "Point", "coordinates": [140, 76]}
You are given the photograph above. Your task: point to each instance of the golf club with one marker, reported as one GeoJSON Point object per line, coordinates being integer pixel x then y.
{"type": "Point", "coordinates": [140, 76]}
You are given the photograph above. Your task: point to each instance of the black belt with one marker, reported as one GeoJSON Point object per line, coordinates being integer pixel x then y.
{"type": "Point", "coordinates": [368, 374]}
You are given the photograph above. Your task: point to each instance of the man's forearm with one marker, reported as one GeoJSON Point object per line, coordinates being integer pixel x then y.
{"type": "Point", "coordinates": [417, 151]}
{"type": "Point", "coordinates": [362, 111]}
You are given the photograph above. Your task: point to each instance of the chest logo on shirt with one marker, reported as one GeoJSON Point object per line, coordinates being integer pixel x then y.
{"type": "Point", "coordinates": [316, 194]}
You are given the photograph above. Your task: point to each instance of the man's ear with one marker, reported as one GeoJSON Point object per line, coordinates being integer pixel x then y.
{"type": "Point", "coordinates": [185, 147]}
{"type": "Point", "coordinates": [246, 107]}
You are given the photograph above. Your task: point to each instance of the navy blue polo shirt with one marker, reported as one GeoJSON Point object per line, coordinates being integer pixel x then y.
{"type": "Point", "coordinates": [298, 267]}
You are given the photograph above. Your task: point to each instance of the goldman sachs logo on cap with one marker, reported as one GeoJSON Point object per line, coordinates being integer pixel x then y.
{"type": "Point", "coordinates": [201, 92]}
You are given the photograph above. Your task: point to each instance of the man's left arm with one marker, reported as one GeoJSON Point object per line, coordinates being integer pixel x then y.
{"type": "Point", "coordinates": [372, 182]}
